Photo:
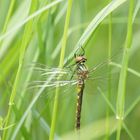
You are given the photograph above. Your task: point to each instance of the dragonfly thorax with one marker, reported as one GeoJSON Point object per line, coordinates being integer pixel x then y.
{"type": "Point", "coordinates": [82, 71]}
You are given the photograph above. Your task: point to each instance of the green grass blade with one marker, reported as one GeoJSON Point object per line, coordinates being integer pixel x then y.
{"type": "Point", "coordinates": [128, 132]}
{"type": "Point", "coordinates": [120, 103]}
{"type": "Point", "coordinates": [94, 24]}
{"type": "Point", "coordinates": [107, 100]}
{"type": "Point", "coordinates": [17, 129]}
{"type": "Point", "coordinates": [26, 38]}
{"type": "Point", "coordinates": [15, 19]}
{"type": "Point", "coordinates": [134, 72]}
{"type": "Point", "coordinates": [132, 107]}
{"type": "Point", "coordinates": [109, 73]}
{"type": "Point", "coordinates": [40, 11]}
{"type": "Point", "coordinates": [61, 62]}
{"type": "Point", "coordinates": [136, 10]}
{"type": "Point", "coordinates": [8, 15]}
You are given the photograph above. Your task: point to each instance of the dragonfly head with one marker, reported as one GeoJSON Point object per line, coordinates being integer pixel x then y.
{"type": "Point", "coordinates": [80, 59]}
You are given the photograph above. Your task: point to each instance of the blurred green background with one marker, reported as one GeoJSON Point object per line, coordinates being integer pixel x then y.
{"type": "Point", "coordinates": [29, 39]}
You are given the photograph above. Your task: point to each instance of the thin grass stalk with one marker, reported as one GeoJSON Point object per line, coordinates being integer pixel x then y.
{"type": "Point", "coordinates": [106, 100]}
{"type": "Point", "coordinates": [25, 40]}
{"type": "Point", "coordinates": [120, 103]}
{"type": "Point", "coordinates": [132, 71]}
{"type": "Point", "coordinates": [17, 129]}
{"type": "Point", "coordinates": [33, 15]}
{"type": "Point", "coordinates": [8, 17]}
{"type": "Point", "coordinates": [109, 75]}
{"type": "Point", "coordinates": [61, 62]}
{"type": "Point", "coordinates": [132, 106]}
{"type": "Point", "coordinates": [85, 37]}
{"type": "Point", "coordinates": [128, 132]}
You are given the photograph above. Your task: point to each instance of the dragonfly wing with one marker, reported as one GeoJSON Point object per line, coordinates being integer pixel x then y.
{"type": "Point", "coordinates": [65, 88]}
{"type": "Point", "coordinates": [50, 78]}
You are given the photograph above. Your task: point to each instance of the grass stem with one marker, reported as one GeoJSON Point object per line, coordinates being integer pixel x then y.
{"type": "Point", "coordinates": [61, 62]}
{"type": "Point", "coordinates": [109, 74]}
{"type": "Point", "coordinates": [8, 18]}
{"type": "Point", "coordinates": [122, 80]}
{"type": "Point", "coordinates": [8, 15]}
{"type": "Point", "coordinates": [24, 43]}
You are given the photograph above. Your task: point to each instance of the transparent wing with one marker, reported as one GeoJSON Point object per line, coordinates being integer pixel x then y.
{"type": "Point", "coordinates": [103, 67]}
{"type": "Point", "coordinates": [50, 78]}
{"type": "Point", "coordinates": [102, 74]}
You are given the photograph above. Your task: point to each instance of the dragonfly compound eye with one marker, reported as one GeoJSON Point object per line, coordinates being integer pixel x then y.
{"type": "Point", "coordinates": [80, 59]}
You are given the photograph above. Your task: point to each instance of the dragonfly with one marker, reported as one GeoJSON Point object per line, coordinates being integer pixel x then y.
{"type": "Point", "coordinates": [76, 74]}
{"type": "Point", "coordinates": [82, 74]}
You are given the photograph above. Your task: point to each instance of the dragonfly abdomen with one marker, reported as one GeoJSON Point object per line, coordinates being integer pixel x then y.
{"type": "Point", "coordinates": [80, 87]}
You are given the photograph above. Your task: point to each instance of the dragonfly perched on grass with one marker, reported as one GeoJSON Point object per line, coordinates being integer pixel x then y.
{"type": "Point", "coordinates": [76, 74]}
